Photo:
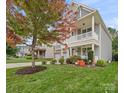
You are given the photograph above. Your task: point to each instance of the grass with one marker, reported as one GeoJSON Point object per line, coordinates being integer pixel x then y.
{"type": "Point", "coordinates": [17, 60]}
{"type": "Point", "coordinates": [22, 60]}
{"type": "Point", "coordinates": [65, 79]}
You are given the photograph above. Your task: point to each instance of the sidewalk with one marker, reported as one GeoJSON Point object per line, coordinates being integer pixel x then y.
{"type": "Point", "coordinates": [14, 65]}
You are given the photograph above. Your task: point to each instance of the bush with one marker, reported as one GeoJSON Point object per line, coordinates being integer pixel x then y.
{"type": "Point", "coordinates": [44, 62]}
{"type": "Point", "coordinates": [115, 56]}
{"type": "Point", "coordinates": [8, 58]}
{"type": "Point", "coordinates": [90, 56]}
{"type": "Point", "coordinates": [53, 61]}
{"type": "Point", "coordinates": [74, 59]}
{"type": "Point", "coordinates": [61, 60]}
{"type": "Point", "coordinates": [15, 56]}
{"type": "Point", "coordinates": [49, 59]}
{"type": "Point", "coordinates": [101, 63]}
{"type": "Point", "coordinates": [28, 57]}
{"type": "Point", "coordinates": [68, 61]}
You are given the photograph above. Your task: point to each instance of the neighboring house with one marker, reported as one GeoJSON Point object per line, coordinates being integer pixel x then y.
{"type": "Point", "coordinates": [92, 34]}
{"type": "Point", "coordinates": [23, 50]}
{"type": "Point", "coordinates": [40, 51]}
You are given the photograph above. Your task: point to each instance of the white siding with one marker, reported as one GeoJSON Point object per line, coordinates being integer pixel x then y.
{"type": "Point", "coordinates": [106, 46]}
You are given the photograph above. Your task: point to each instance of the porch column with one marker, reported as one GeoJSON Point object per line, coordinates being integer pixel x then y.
{"type": "Point", "coordinates": [93, 21]}
{"type": "Point", "coordinates": [38, 54]}
{"type": "Point", "coordinates": [92, 47]}
{"type": "Point", "coordinates": [81, 51]}
{"type": "Point", "coordinates": [70, 51]}
{"type": "Point", "coordinates": [100, 40]}
{"type": "Point", "coordinates": [67, 53]}
{"type": "Point", "coordinates": [44, 53]}
{"type": "Point", "coordinates": [61, 52]}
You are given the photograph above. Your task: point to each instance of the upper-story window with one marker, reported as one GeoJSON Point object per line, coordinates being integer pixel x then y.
{"type": "Point", "coordinates": [89, 29]}
{"type": "Point", "coordinates": [84, 31]}
{"type": "Point", "coordinates": [72, 33]}
{"type": "Point", "coordinates": [79, 31]}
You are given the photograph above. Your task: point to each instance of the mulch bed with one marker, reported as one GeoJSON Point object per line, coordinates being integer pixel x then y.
{"type": "Point", "coordinates": [30, 70]}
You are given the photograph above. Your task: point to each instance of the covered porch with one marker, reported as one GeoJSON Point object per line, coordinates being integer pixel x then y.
{"type": "Point", "coordinates": [83, 51]}
{"type": "Point", "coordinates": [40, 52]}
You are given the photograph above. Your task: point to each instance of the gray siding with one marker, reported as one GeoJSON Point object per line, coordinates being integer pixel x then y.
{"type": "Point", "coordinates": [106, 46]}
{"type": "Point", "coordinates": [84, 12]}
{"type": "Point", "coordinates": [49, 52]}
{"type": "Point", "coordinates": [97, 51]}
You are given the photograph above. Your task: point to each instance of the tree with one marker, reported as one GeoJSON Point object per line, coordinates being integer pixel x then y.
{"type": "Point", "coordinates": [11, 51]}
{"type": "Point", "coordinates": [44, 21]}
{"type": "Point", "coordinates": [114, 35]}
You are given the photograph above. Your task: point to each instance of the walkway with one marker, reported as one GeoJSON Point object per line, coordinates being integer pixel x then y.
{"type": "Point", "coordinates": [14, 65]}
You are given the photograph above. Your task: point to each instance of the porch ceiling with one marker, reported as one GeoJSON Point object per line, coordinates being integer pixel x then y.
{"type": "Point", "coordinates": [87, 21]}
{"type": "Point", "coordinates": [80, 43]}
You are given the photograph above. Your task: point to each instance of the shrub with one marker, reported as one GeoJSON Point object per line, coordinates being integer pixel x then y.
{"type": "Point", "coordinates": [16, 56]}
{"type": "Point", "coordinates": [90, 56]}
{"type": "Point", "coordinates": [53, 61]}
{"type": "Point", "coordinates": [28, 57]}
{"type": "Point", "coordinates": [101, 63]}
{"type": "Point", "coordinates": [61, 60]}
{"type": "Point", "coordinates": [8, 58]}
{"type": "Point", "coordinates": [68, 61]}
{"type": "Point", "coordinates": [74, 59]}
{"type": "Point", "coordinates": [49, 59]}
{"type": "Point", "coordinates": [44, 62]}
{"type": "Point", "coordinates": [115, 56]}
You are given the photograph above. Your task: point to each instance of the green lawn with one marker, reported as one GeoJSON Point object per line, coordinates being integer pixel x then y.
{"type": "Point", "coordinates": [17, 60]}
{"type": "Point", "coordinates": [21, 60]}
{"type": "Point", "coordinates": [65, 79]}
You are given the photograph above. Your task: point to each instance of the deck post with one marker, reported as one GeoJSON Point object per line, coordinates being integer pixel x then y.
{"type": "Point", "coordinates": [93, 26]}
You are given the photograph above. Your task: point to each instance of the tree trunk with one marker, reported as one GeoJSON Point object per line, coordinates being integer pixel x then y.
{"type": "Point", "coordinates": [33, 50]}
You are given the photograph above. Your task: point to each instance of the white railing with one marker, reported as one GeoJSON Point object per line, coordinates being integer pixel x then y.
{"type": "Point", "coordinates": [85, 36]}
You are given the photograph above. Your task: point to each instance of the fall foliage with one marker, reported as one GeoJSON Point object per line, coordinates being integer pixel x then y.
{"type": "Point", "coordinates": [33, 18]}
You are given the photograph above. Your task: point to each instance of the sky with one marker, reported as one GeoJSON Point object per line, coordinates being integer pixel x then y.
{"type": "Point", "coordinates": [108, 9]}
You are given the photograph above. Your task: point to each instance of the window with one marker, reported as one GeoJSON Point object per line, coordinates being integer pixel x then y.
{"type": "Point", "coordinates": [72, 33]}
{"type": "Point", "coordinates": [89, 29]}
{"type": "Point", "coordinates": [84, 31]}
{"type": "Point", "coordinates": [84, 51]}
{"type": "Point", "coordinates": [79, 31]}
{"type": "Point", "coordinates": [89, 49]}
{"type": "Point", "coordinates": [79, 51]}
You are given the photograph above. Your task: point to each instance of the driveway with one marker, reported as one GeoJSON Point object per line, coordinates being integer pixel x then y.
{"type": "Point", "coordinates": [14, 65]}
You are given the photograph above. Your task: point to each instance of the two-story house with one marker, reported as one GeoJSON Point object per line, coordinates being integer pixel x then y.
{"type": "Point", "coordinates": [92, 34]}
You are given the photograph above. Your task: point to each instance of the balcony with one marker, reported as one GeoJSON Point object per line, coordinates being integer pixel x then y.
{"type": "Point", "coordinates": [83, 37]}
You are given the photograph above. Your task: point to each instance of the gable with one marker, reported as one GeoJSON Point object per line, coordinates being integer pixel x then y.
{"type": "Point", "coordinates": [83, 12]}
{"type": "Point", "coordinates": [82, 9]}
